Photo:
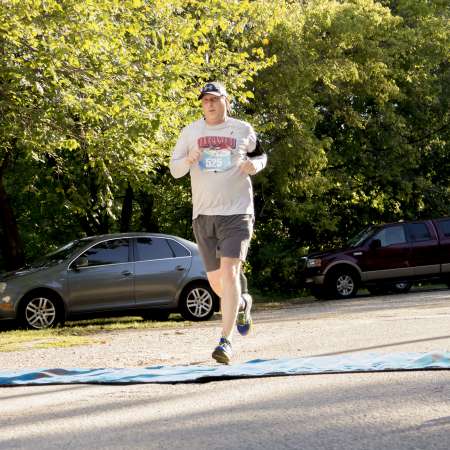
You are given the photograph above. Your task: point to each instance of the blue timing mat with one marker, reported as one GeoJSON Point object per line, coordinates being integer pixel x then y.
{"type": "Point", "coordinates": [357, 362]}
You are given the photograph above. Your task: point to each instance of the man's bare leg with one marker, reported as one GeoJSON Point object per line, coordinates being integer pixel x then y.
{"type": "Point", "coordinates": [214, 278]}
{"type": "Point", "coordinates": [215, 281]}
{"type": "Point", "coordinates": [231, 293]}
{"type": "Point", "coordinates": [230, 300]}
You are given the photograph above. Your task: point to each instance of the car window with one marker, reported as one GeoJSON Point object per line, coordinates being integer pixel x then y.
{"type": "Point", "coordinates": [391, 235]}
{"type": "Point", "coordinates": [114, 251]}
{"type": "Point", "coordinates": [62, 253]}
{"type": "Point", "coordinates": [418, 232]}
{"type": "Point", "coordinates": [445, 227]}
{"type": "Point", "coordinates": [152, 248]}
{"type": "Point", "coordinates": [178, 249]}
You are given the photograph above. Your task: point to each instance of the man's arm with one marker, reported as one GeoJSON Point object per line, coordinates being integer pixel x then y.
{"type": "Point", "coordinates": [258, 157]}
{"type": "Point", "coordinates": [182, 159]}
{"type": "Point", "coordinates": [257, 160]}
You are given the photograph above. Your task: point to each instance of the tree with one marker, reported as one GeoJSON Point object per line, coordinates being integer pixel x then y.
{"type": "Point", "coordinates": [94, 93]}
{"type": "Point", "coordinates": [356, 126]}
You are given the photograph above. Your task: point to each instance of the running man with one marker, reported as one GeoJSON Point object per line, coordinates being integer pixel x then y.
{"type": "Point", "coordinates": [221, 153]}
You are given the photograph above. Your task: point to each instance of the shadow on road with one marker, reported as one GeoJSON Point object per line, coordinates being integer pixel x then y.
{"type": "Point", "coordinates": [353, 350]}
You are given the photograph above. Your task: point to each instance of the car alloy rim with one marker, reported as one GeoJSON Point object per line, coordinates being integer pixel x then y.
{"type": "Point", "coordinates": [199, 302]}
{"type": "Point", "coordinates": [345, 285]}
{"type": "Point", "coordinates": [40, 312]}
{"type": "Point", "coordinates": [401, 285]}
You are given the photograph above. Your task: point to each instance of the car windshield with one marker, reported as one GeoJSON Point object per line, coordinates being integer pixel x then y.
{"type": "Point", "coordinates": [61, 253]}
{"type": "Point", "coordinates": [357, 240]}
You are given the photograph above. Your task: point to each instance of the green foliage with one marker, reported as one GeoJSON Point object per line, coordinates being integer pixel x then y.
{"type": "Point", "coordinates": [95, 93]}
{"type": "Point", "coordinates": [357, 126]}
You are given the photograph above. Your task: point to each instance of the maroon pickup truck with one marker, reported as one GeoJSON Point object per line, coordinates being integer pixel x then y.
{"type": "Point", "coordinates": [382, 258]}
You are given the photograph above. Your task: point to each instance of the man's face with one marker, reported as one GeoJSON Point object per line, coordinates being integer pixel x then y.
{"type": "Point", "coordinates": [214, 108]}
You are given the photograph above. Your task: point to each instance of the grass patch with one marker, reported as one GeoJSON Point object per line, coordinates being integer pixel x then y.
{"type": "Point", "coordinates": [13, 341]}
{"type": "Point", "coordinates": [77, 333]}
{"type": "Point", "coordinates": [264, 300]}
{"type": "Point", "coordinates": [268, 296]}
{"type": "Point", "coordinates": [276, 304]}
{"type": "Point", "coordinates": [122, 323]}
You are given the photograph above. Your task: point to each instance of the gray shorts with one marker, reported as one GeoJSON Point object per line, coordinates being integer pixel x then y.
{"type": "Point", "coordinates": [222, 236]}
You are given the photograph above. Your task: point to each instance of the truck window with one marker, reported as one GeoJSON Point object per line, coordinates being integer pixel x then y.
{"type": "Point", "coordinates": [445, 227]}
{"type": "Point", "coordinates": [358, 239]}
{"type": "Point", "coordinates": [418, 232]}
{"type": "Point", "coordinates": [391, 235]}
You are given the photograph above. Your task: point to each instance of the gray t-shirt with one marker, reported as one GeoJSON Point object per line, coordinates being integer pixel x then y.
{"type": "Point", "coordinates": [218, 185]}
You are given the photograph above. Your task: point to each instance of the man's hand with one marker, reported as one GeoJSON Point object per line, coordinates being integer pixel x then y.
{"type": "Point", "coordinates": [248, 167]}
{"type": "Point", "coordinates": [193, 156]}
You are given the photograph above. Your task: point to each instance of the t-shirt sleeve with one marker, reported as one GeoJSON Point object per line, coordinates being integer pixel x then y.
{"type": "Point", "coordinates": [259, 161]}
{"type": "Point", "coordinates": [178, 165]}
{"type": "Point", "coordinates": [251, 138]}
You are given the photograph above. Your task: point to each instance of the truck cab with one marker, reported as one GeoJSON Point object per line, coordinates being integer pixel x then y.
{"type": "Point", "coordinates": [382, 257]}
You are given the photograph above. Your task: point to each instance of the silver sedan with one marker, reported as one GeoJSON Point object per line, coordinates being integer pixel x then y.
{"type": "Point", "coordinates": [142, 274]}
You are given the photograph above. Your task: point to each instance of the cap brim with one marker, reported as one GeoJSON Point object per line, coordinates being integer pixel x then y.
{"type": "Point", "coordinates": [217, 94]}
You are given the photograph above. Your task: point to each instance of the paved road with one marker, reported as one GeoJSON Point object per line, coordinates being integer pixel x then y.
{"type": "Point", "coordinates": [403, 410]}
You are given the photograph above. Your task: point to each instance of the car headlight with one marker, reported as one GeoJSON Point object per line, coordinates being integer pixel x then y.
{"type": "Point", "coordinates": [2, 288]}
{"type": "Point", "coordinates": [314, 262]}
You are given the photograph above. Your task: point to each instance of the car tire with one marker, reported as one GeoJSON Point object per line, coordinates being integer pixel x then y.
{"type": "Point", "coordinates": [40, 311]}
{"type": "Point", "coordinates": [157, 315]}
{"type": "Point", "coordinates": [342, 283]}
{"type": "Point", "coordinates": [401, 287]}
{"type": "Point", "coordinates": [197, 302]}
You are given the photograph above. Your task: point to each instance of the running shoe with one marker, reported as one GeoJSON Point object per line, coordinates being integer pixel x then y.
{"type": "Point", "coordinates": [244, 319]}
{"type": "Point", "coordinates": [223, 352]}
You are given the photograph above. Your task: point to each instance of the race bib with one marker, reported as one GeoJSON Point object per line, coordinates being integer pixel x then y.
{"type": "Point", "coordinates": [215, 160]}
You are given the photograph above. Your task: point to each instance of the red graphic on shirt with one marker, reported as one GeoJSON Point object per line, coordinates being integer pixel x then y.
{"type": "Point", "coordinates": [217, 142]}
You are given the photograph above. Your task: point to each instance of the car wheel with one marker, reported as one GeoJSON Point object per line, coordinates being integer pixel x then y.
{"type": "Point", "coordinates": [197, 302]}
{"type": "Point", "coordinates": [40, 311]}
{"type": "Point", "coordinates": [343, 284]}
{"type": "Point", "coordinates": [401, 287]}
{"type": "Point", "coordinates": [158, 316]}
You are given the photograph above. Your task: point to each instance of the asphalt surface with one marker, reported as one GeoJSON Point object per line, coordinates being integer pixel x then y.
{"type": "Point", "coordinates": [387, 410]}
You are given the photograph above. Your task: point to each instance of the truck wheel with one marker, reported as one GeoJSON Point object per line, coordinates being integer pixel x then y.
{"type": "Point", "coordinates": [343, 283]}
{"type": "Point", "coordinates": [197, 302]}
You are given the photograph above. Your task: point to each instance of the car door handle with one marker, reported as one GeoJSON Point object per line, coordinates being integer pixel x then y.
{"type": "Point", "coordinates": [179, 267]}
{"type": "Point", "coordinates": [126, 273]}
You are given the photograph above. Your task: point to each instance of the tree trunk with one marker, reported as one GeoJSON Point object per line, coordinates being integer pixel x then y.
{"type": "Point", "coordinates": [148, 222]}
{"type": "Point", "coordinates": [11, 244]}
{"type": "Point", "coordinates": [127, 210]}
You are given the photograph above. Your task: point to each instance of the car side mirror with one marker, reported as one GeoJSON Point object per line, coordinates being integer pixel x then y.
{"type": "Point", "coordinates": [81, 261]}
{"type": "Point", "coordinates": [376, 243]}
